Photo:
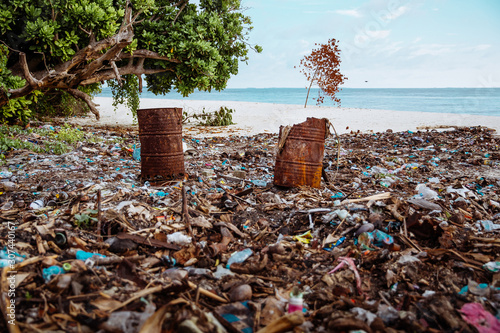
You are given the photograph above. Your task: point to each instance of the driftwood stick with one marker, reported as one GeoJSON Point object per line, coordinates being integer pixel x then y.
{"type": "Point", "coordinates": [284, 324]}
{"type": "Point", "coordinates": [99, 215]}
{"type": "Point", "coordinates": [207, 293]}
{"type": "Point", "coordinates": [185, 212]}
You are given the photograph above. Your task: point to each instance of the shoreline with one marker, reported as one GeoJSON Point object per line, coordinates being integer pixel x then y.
{"type": "Point", "coordinates": [252, 118]}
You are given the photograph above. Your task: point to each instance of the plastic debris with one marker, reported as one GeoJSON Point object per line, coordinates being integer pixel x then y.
{"type": "Point", "coordinates": [426, 193]}
{"type": "Point", "coordinates": [95, 200]}
{"type": "Point", "coordinates": [82, 255]}
{"type": "Point", "coordinates": [239, 257]}
{"type": "Point", "coordinates": [296, 300]}
{"type": "Point", "coordinates": [37, 204]}
{"type": "Point", "coordinates": [482, 320]}
{"type": "Point", "coordinates": [50, 272]}
{"type": "Point", "coordinates": [350, 263]}
{"type": "Point", "coordinates": [179, 238]}
{"type": "Point", "coordinates": [488, 225]}
{"type": "Point", "coordinates": [305, 237]}
{"type": "Point", "coordinates": [492, 266]}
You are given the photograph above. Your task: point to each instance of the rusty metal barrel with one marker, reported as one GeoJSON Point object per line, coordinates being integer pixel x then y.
{"type": "Point", "coordinates": [299, 160]}
{"type": "Point", "coordinates": [160, 133]}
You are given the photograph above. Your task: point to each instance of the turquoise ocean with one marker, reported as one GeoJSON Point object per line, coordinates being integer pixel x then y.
{"type": "Point", "coordinates": [479, 101]}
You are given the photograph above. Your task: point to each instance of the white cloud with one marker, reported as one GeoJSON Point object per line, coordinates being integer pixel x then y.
{"type": "Point", "coordinates": [396, 13]}
{"type": "Point", "coordinates": [378, 34]}
{"type": "Point", "coordinates": [481, 47]}
{"type": "Point", "coordinates": [387, 48]}
{"type": "Point", "coordinates": [433, 49]}
{"type": "Point", "coordinates": [349, 12]}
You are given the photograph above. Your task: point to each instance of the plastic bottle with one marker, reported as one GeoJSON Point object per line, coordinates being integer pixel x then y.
{"type": "Point", "coordinates": [136, 155]}
{"type": "Point", "coordinates": [82, 255]}
{"type": "Point", "coordinates": [478, 289]}
{"type": "Point", "coordinates": [296, 301]}
{"type": "Point", "coordinates": [260, 183]}
{"type": "Point", "coordinates": [380, 238]}
{"type": "Point", "coordinates": [365, 240]}
{"type": "Point", "coordinates": [37, 204]}
{"type": "Point", "coordinates": [238, 257]}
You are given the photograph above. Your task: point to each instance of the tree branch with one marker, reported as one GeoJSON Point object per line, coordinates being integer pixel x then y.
{"type": "Point", "coordinates": [110, 54]}
{"type": "Point", "coordinates": [86, 98]}
{"type": "Point", "coordinates": [34, 83]}
{"type": "Point", "coordinates": [117, 73]}
{"type": "Point", "coordinates": [94, 51]}
{"type": "Point", "coordinates": [179, 12]}
{"type": "Point", "coordinates": [108, 74]}
{"type": "Point", "coordinates": [147, 54]}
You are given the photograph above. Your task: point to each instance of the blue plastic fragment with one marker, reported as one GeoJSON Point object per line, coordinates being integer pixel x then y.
{"type": "Point", "coordinates": [82, 255]}
{"type": "Point", "coordinates": [49, 272]}
{"type": "Point", "coordinates": [136, 154]}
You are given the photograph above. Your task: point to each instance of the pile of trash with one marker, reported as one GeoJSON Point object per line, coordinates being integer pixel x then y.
{"type": "Point", "coordinates": [401, 236]}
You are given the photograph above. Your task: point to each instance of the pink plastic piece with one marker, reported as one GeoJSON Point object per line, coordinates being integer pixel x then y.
{"type": "Point", "coordinates": [348, 261]}
{"type": "Point", "coordinates": [477, 316]}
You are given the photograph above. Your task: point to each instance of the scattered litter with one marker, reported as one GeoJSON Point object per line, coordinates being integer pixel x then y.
{"type": "Point", "coordinates": [414, 216]}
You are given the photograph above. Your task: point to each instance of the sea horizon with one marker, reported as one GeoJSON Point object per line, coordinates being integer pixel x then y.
{"type": "Point", "coordinates": [478, 101]}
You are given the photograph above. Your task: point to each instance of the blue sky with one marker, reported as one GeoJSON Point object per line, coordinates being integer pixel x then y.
{"type": "Point", "coordinates": [389, 43]}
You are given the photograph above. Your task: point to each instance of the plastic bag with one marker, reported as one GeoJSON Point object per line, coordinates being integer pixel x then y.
{"type": "Point", "coordinates": [179, 238]}
{"type": "Point", "coordinates": [425, 192]}
{"type": "Point", "coordinates": [239, 257]}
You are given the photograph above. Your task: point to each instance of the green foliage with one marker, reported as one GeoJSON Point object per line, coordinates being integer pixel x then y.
{"type": "Point", "coordinates": [69, 135]}
{"type": "Point", "coordinates": [84, 220]}
{"type": "Point", "coordinates": [40, 140]}
{"type": "Point", "coordinates": [195, 46]}
{"type": "Point", "coordinates": [15, 108]}
{"type": "Point", "coordinates": [59, 103]}
{"type": "Point", "coordinates": [222, 117]}
{"type": "Point", "coordinates": [127, 94]}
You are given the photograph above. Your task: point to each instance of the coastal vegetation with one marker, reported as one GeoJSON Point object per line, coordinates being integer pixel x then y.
{"type": "Point", "coordinates": [56, 55]}
{"type": "Point", "coordinates": [221, 117]}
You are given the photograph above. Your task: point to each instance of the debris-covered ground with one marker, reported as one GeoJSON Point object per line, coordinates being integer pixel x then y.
{"type": "Point", "coordinates": [403, 238]}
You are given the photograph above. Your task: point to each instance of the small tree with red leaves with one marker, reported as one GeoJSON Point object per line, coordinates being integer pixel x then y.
{"type": "Point", "coordinates": [322, 67]}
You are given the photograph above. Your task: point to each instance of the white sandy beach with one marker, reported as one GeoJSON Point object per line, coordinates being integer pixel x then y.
{"type": "Point", "coordinates": [254, 118]}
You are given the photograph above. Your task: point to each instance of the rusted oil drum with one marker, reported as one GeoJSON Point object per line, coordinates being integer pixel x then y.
{"type": "Point", "coordinates": [160, 133]}
{"type": "Point", "coordinates": [299, 160]}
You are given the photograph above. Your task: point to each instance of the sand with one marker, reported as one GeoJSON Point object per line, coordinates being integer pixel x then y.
{"type": "Point", "coordinates": [254, 118]}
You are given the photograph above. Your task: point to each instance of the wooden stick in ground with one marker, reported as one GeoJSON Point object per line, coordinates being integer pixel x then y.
{"type": "Point", "coordinates": [325, 176]}
{"type": "Point", "coordinates": [185, 212]}
{"type": "Point", "coordinates": [99, 215]}
{"type": "Point", "coordinates": [207, 293]}
{"type": "Point", "coordinates": [380, 196]}
{"type": "Point", "coordinates": [338, 152]}
{"type": "Point", "coordinates": [284, 324]}
{"type": "Point", "coordinates": [336, 229]}
{"type": "Point", "coordinates": [137, 295]}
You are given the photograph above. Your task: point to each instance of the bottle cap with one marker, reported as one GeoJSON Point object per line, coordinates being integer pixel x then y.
{"type": "Point", "coordinates": [60, 238]}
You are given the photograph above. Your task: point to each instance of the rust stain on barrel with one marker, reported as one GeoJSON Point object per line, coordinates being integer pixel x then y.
{"type": "Point", "coordinates": [300, 161]}
{"type": "Point", "coordinates": [160, 133]}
